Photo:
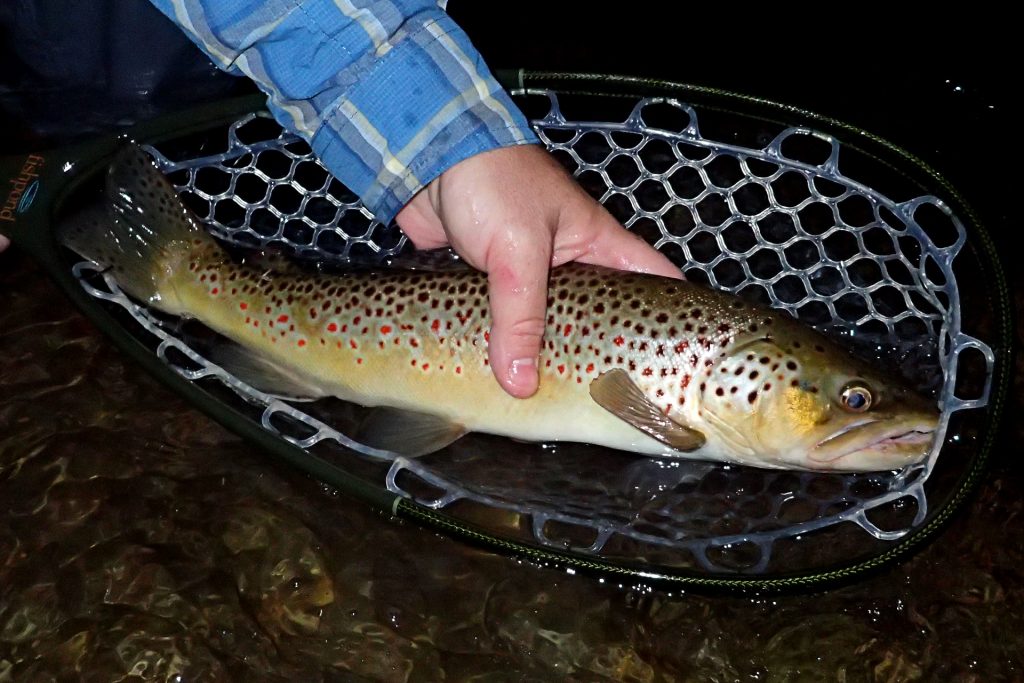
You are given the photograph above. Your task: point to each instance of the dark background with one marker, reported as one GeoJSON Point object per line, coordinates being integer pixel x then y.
{"type": "Point", "coordinates": [936, 82]}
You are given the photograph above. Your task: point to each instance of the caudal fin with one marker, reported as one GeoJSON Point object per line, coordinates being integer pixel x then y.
{"type": "Point", "coordinates": [141, 226]}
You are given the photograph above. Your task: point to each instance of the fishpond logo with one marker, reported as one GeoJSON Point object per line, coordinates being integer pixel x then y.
{"type": "Point", "coordinates": [23, 188]}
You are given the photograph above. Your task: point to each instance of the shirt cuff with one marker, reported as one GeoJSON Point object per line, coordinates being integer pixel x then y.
{"type": "Point", "coordinates": [428, 103]}
{"type": "Point", "coordinates": [387, 100]}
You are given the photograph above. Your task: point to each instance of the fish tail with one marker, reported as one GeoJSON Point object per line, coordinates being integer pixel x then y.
{"type": "Point", "coordinates": [142, 231]}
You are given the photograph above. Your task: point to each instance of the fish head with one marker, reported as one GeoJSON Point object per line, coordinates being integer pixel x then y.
{"type": "Point", "coordinates": [793, 399]}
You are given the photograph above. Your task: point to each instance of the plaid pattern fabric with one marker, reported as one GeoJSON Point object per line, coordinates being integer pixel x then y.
{"type": "Point", "coordinates": [389, 93]}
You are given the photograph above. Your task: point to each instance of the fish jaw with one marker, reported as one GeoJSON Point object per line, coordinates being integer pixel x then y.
{"type": "Point", "coordinates": [876, 445]}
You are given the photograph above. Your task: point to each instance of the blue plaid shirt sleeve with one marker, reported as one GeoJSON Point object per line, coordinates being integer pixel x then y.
{"type": "Point", "coordinates": [389, 93]}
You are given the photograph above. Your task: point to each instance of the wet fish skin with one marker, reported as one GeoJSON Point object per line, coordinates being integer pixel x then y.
{"type": "Point", "coordinates": [630, 361]}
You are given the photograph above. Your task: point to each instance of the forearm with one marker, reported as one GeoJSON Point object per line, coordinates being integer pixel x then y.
{"type": "Point", "coordinates": [389, 94]}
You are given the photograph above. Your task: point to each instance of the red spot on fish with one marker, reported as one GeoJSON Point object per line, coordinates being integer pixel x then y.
{"type": "Point", "coordinates": [352, 343]}
{"type": "Point", "coordinates": [426, 366]}
{"type": "Point", "coordinates": [561, 369]}
{"type": "Point", "coordinates": [619, 341]}
{"type": "Point", "coordinates": [282, 318]}
{"type": "Point", "coordinates": [385, 329]}
{"type": "Point", "coordinates": [243, 305]}
{"type": "Point", "coordinates": [590, 367]}
{"type": "Point", "coordinates": [359, 361]}
{"type": "Point", "coordinates": [647, 372]}
{"type": "Point", "coordinates": [458, 369]}
{"type": "Point", "coordinates": [487, 336]}
{"type": "Point", "coordinates": [332, 327]}
{"type": "Point", "coordinates": [302, 342]}
{"type": "Point", "coordinates": [436, 325]}
{"type": "Point", "coordinates": [566, 330]}
{"type": "Point", "coordinates": [215, 291]}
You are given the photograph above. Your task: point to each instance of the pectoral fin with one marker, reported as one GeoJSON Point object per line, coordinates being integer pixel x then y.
{"type": "Point", "coordinates": [618, 394]}
{"type": "Point", "coordinates": [407, 432]}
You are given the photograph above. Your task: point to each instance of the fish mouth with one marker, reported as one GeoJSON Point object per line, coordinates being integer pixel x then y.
{"type": "Point", "coordinates": [889, 445]}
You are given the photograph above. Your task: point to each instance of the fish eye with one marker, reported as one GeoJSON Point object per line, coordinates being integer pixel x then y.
{"type": "Point", "coordinates": [856, 397]}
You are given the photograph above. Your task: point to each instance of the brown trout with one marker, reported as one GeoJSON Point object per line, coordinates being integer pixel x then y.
{"type": "Point", "coordinates": [635, 362]}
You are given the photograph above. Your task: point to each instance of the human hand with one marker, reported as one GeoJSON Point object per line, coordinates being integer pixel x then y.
{"type": "Point", "coordinates": [515, 213]}
{"type": "Point", "coordinates": [4, 243]}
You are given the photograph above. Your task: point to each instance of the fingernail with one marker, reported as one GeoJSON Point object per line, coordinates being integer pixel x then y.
{"type": "Point", "coordinates": [522, 375]}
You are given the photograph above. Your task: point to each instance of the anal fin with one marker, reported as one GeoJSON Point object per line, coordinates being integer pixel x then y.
{"type": "Point", "coordinates": [407, 432]}
{"type": "Point", "coordinates": [264, 374]}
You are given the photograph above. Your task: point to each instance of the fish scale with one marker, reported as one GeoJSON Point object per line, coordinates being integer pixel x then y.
{"type": "Point", "coordinates": [631, 361]}
{"type": "Point", "coordinates": [439, 323]}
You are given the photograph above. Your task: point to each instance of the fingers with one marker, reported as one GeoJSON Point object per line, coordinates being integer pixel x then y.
{"type": "Point", "coordinates": [421, 224]}
{"type": "Point", "coordinates": [518, 280]}
{"type": "Point", "coordinates": [4, 243]}
{"type": "Point", "coordinates": [613, 246]}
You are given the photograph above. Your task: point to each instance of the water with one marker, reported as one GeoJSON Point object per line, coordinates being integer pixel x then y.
{"type": "Point", "coordinates": [141, 541]}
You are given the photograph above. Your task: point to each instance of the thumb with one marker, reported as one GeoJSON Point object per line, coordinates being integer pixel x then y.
{"type": "Point", "coordinates": [518, 288]}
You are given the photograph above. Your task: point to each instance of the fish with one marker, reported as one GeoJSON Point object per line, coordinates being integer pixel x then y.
{"type": "Point", "coordinates": [640, 363]}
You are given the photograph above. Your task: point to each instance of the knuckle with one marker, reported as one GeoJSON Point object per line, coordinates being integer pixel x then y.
{"type": "Point", "coordinates": [525, 330]}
